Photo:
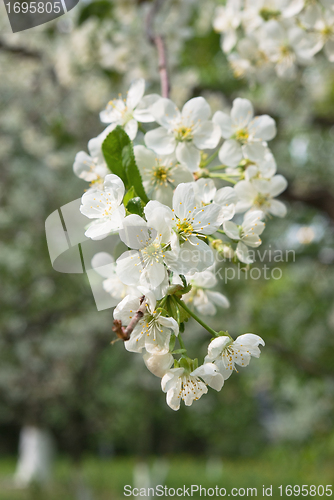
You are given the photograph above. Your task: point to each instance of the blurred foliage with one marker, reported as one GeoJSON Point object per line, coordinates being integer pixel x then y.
{"type": "Point", "coordinates": [57, 368]}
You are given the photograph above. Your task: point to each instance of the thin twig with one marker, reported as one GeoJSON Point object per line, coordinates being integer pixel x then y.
{"type": "Point", "coordinates": [124, 333]}
{"type": "Point", "coordinates": [159, 43]}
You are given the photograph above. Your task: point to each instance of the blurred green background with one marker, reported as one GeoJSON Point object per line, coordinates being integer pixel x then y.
{"type": "Point", "coordinates": [273, 422]}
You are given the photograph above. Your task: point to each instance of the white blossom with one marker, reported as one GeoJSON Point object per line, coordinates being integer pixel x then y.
{"type": "Point", "coordinates": [158, 364]}
{"type": "Point", "coordinates": [160, 174]}
{"type": "Point", "coordinates": [128, 112]}
{"type": "Point", "coordinates": [201, 296]}
{"type": "Point", "coordinates": [206, 193]}
{"type": "Point", "coordinates": [227, 20]}
{"type": "Point", "coordinates": [246, 234]}
{"type": "Point", "coordinates": [245, 134]}
{"type": "Point", "coordinates": [185, 132]}
{"type": "Point", "coordinates": [226, 353]}
{"type": "Point", "coordinates": [105, 206]}
{"type": "Point", "coordinates": [260, 193]}
{"type": "Point", "coordinates": [179, 384]}
{"type": "Point", "coordinates": [152, 331]}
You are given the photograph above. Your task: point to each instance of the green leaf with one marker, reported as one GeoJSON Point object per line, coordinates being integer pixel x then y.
{"type": "Point", "coordinates": [118, 152]}
{"type": "Point", "coordinates": [135, 206]}
{"type": "Point", "coordinates": [99, 9]}
{"type": "Point", "coordinates": [129, 195]}
{"type": "Point", "coordinates": [179, 351]}
{"type": "Point", "coordinates": [172, 342]}
{"type": "Point", "coordinates": [112, 149]}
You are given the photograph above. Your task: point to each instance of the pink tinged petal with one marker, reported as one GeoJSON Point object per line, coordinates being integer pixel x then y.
{"type": "Point", "coordinates": [158, 364]}
{"type": "Point", "coordinates": [142, 113]}
{"type": "Point", "coordinates": [241, 113]}
{"type": "Point", "coordinates": [196, 109]}
{"type": "Point", "coordinates": [230, 153]}
{"type": "Point", "coordinates": [136, 92]}
{"type": "Point", "coordinates": [135, 233]}
{"type": "Point", "coordinates": [188, 155]}
{"type": "Point", "coordinates": [104, 264]}
{"type": "Point", "coordinates": [277, 208]}
{"type": "Point", "coordinates": [131, 128]}
{"type": "Point", "coordinates": [165, 112]}
{"type": "Point", "coordinates": [218, 298]}
{"type": "Point", "coordinates": [277, 185]}
{"type": "Point", "coordinates": [243, 254]}
{"type": "Point", "coordinates": [231, 230]}
{"type": "Point", "coordinates": [160, 141]}
{"type": "Point", "coordinates": [129, 267]}
{"type": "Point", "coordinates": [224, 122]}
{"type": "Point", "coordinates": [207, 135]}
{"type": "Point", "coordinates": [184, 200]}
{"type": "Point", "coordinates": [263, 128]}
{"type": "Point", "coordinates": [209, 373]}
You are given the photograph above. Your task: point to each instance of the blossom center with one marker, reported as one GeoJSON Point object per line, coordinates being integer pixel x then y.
{"type": "Point", "coordinates": [242, 135]}
{"type": "Point", "coordinates": [183, 134]}
{"type": "Point", "coordinates": [160, 175]}
{"type": "Point", "coordinates": [184, 228]}
{"type": "Point", "coordinates": [152, 253]}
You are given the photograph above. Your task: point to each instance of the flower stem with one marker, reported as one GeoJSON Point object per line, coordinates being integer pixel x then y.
{"type": "Point", "coordinates": [224, 177]}
{"type": "Point", "coordinates": [210, 159]}
{"type": "Point", "coordinates": [193, 315]}
{"type": "Point", "coordinates": [218, 167]}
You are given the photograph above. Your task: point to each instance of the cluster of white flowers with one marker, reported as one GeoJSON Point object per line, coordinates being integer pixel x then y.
{"type": "Point", "coordinates": [258, 35]}
{"type": "Point", "coordinates": [156, 191]}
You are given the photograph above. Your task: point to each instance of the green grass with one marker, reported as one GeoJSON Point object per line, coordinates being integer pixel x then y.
{"type": "Point", "coordinates": [106, 479]}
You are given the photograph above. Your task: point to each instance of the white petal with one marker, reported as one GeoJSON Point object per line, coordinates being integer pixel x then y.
{"type": "Point", "coordinates": [277, 208]}
{"type": "Point", "coordinates": [184, 200]}
{"type": "Point", "coordinates": [263, 128]}
{"type": "Point", "coordinates": [160, 141]}
{"type": "Point", "coordinates": [230, 153]}
{"type": "Point", "coordinates": [158, 364]}
{"type": "Point", "coordinates": [136, 92]}
{"type": "Point", "coordinates": [187, 154]}
{"type": "Point", "coordinates": [114, 186]}
{"type": "Point", "coordinates": [223, 120]}
{"type": "Point", "coordinates": [126, 309]}
{"type": "Point", "coordinates": [205, 190]}
{"type": "Point", "coordinates": [231, 230]}
{"type": "Point", "coordinates": [243, 254]}
{"type": "Point", "coordinates": [218, 298]}
{"type": "Point", "coordinates": [142, 113]}
{"type": "Point", "coordinates": [242, 113]}
{"type": "Point", "coordinates": [135, 233]}
{"type": "Point", "coordinates": [131, 128]}
{"type": "Point", "coordinates": [209, 373]}
{"type": "Point", "coordinates": [165, 112]}
{"type": "Point", "coordinates": [170, 379]}
{"type": "Point", "coordinates": [104, 264]}
{"type": "Point", "coordinates": [278, 184]}
{"type": "Point", "coordinates": [195, 109]}
{"type": "Point", "coordinates": [146, 160]}
{"type": "Point", "coordinates": [207, 135]}
{"type": "Point", "coordinates": [216, 346]}
{"type": "Point", "coordinates": [169, 323]}
{"type": "Point", "coordinates": [128, 267]}
{"type": "Point", "coordinates": [225, 196]}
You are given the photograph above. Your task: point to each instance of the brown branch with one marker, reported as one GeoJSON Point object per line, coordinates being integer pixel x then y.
{"type": "Point", "coordinates": [20, 51]}
{"type": "Point", "coordinates": [124, 333]}
{"type": "Point", "coordinates": [159, 43]}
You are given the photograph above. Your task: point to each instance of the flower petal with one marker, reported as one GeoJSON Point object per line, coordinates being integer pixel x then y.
{"type": "Point", "coordinates": [223, 120]}
{"type": "Point", "coordinates": [136, 92]}
{"type": "Point", "coordinates": [207, 135]}
{"type": "Point", "coordinates": [241, 113]}
{"type": "Point", "coordinates": [187, 154]}
{"type": "Point", "coordinates": [160, 141]}
{"type": "Point", "coordinates": [230, 153]}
